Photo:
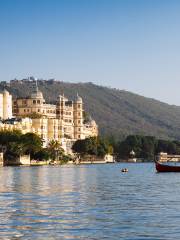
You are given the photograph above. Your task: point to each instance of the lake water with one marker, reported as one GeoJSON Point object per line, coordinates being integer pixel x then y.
{"type": "Point", "coordinates": [89, 202]}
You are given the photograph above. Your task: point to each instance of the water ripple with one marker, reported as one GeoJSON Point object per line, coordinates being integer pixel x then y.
{"type": "Point", "coordinates": [89, 202]}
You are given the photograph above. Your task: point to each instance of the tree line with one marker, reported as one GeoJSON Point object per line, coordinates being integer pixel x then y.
{"type": "Point", "coordinates": [145, 147]}
{"type": "Point", "coordinates": [14, 144]}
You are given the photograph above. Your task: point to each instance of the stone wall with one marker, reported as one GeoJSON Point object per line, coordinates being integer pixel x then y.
{"type": "Point", "coordinates": [21, 160]}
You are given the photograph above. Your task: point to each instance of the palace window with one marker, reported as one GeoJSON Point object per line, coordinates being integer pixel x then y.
{"type": "Point", "coordinates": [34, 101]}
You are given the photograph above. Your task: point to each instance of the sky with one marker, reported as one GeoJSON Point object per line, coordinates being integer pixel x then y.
{"type": "Point", "coordinates": [126, 44]}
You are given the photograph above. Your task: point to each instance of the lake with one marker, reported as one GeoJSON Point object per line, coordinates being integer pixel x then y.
{"type": "Point", "coordinates": [89, 202]}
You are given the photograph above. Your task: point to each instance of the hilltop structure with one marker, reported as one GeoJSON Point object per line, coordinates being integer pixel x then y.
{"type": "Point", "coordinates": [63, 121]}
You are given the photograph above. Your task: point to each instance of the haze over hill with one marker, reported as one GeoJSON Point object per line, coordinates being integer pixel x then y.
{"type": "Point", "coordinates": [117, 112]}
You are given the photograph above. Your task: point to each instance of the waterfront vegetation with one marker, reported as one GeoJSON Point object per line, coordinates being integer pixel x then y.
{"type": "Point", "coordinates": [14, 144]}
{"type": "Point", "coordinates": [92, 146]}
{"type": "Point", "coordinates": [145, 147]}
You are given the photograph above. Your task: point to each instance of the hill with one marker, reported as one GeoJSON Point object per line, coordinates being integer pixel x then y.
{"type": "Point", "coordinates": [117, 112]}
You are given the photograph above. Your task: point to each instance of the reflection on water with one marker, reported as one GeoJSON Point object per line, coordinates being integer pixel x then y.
{"type": "Point", "coordinates": [89, 202]}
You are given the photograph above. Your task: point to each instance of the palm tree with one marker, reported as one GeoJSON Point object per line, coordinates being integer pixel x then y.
{"type": "Point", "coordinates": [55, 149]}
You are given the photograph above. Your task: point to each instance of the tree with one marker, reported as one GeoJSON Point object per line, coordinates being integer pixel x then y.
{"type": "Point", "coordinates": [92, 146]}
{"type": "Point", "coordinates": [102, 147]}
{"type": "Point", "coordinates": [143, 146]}
{"type": "Point", "coordinates": [55, 149]}
{"type": "Point", "coordinates": [148, 147]}
{"type": "Point", "coordinates": [41, 155]}
{"type": "Point", "coordinates": [10, 143]}
{"type": "Point", "coordinates": [32, 143]}
{"type": "Point", "coordinates": [167, 146]}
{"type": "Point", "coordinates": [7, 137]}
{"type": "Point", "coordinates": [79, 147]}
{"type": "Point", "coordinates": [17, 148]}
{"type": "Point", "coordinates": [14, 144]}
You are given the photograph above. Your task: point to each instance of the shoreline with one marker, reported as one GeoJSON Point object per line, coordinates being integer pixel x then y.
{"type": "Point", "coordinates": [72, 164]}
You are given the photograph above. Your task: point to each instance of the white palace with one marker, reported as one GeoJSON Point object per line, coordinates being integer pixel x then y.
{"type": "Point", "coordinates": [63, 121]}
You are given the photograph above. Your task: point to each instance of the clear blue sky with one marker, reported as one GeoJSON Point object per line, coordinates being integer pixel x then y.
{"type": "Point", "coordinates": [127, 44]}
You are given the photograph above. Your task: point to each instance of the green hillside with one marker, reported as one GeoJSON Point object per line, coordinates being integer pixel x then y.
{"type": "Point", "coordinates": [117, 112]}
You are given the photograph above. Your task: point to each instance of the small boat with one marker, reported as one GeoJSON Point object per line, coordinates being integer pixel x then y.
{"type": "Point", "coordinates": [166, 168]}
{"type": "Point", "coordinates": [124, 170]}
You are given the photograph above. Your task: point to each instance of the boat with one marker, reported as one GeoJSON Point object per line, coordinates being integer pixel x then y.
{"type": "Point", "coordinates": [124, 170]}
{"type": "Point", "coordinates": [166, 168]}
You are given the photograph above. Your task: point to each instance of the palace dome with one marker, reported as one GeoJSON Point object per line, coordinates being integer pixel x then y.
{"type": "Point", "coordinates": [79, 99]}
{"type": "Point", "coordinates": [37, 94]}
